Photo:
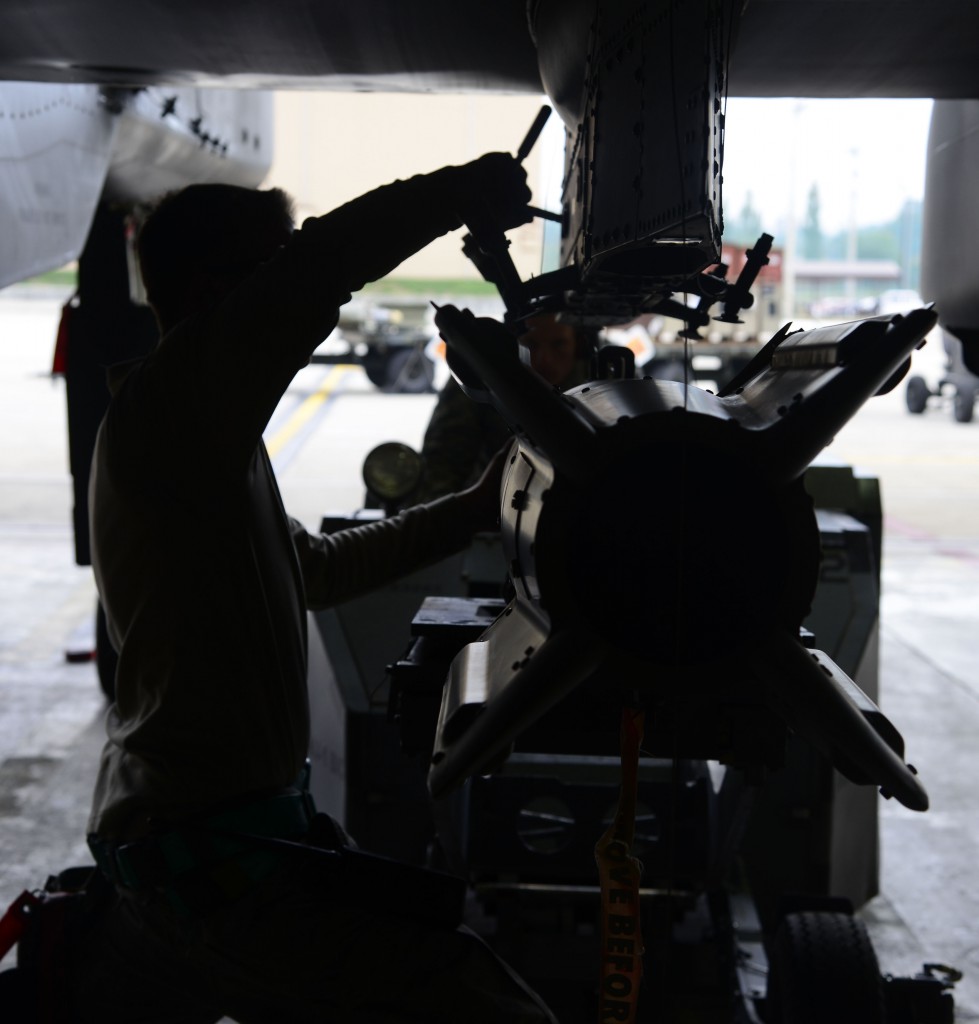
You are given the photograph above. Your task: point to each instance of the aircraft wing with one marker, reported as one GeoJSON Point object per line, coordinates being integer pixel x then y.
{"type": "Point", "coordinates": [63, 147]}
{"type": "Point", "coordinates": [857, 48]}
{"type": "Point", "coordinates": [825, 48]}
{"type": "Point", "coordinates": [430, 44]}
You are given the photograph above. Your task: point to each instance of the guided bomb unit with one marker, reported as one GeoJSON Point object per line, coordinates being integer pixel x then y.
{"type": "Point", "coordinates": [515, 705]}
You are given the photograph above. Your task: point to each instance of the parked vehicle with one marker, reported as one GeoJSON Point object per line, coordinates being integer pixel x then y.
{"type": "Point", "coordinates": [388, 338]}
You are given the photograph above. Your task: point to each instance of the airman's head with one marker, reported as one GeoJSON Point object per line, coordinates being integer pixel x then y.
{"type": "Point", "coordinates": [557, 349]}
{"type": "Point", "coordinates": [200, 243]}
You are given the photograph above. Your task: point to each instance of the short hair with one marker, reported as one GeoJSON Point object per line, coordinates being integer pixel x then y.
{"type": "Point", "coordinates": [198, 229]}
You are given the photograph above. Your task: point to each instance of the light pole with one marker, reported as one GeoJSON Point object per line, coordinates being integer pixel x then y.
{"type": "Point", "coordinates": [789, 252]}
{"type": "Point", "coordinates": [851, 234]}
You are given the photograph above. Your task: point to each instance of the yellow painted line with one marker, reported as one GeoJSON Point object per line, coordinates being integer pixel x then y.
{"type": "Point", "coordinates": [306, 411]}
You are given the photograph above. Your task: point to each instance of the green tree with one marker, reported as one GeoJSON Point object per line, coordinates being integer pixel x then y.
{"type": "Point", "coordinates": [898, 240]}
{"type": "Point", "coordinates": [880, 242]}
{"type": "Point", "coordinates": [811, 242]}
{"type": "Point", "coordinates": [746, 227]}
{"type": "Point", "coordinates": [909, 237]}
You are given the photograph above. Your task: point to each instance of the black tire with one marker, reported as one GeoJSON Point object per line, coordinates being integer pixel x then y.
{"type": "Point", "coordinates": [106, 657]}
{"type": "Point", "coordinates": [375, 366]}
{"type": "Point", "coordinates": [823, 970]}
{"type": "Point", "coordinates": [406, 371]}
{"type": "Point", "coordinates": [962, 405]}
{"type": "Point", "coordinates": [409, 372]}
{"type": "Point", "coordinates": [916, 395]}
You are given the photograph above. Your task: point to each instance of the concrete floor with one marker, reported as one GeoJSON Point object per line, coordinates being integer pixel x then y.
{"type": "Point", "coordinates": [51, 710]}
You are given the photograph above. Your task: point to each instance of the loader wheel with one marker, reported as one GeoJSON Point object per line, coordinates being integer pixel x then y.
{"type": "Point", "coordinates": [962, 405]}
{"type": "Point", "coordinates": [916, 395]}
{"type": "Point", "coordinates": [822, 969]}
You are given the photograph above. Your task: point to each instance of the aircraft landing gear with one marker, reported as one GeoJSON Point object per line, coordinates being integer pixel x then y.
{"type": "Point", "coordinates": [916, 395]}
{"type": "Point", "coordinates": [962, 404]}
{"type": "Point", "coordinates": [955, 381]}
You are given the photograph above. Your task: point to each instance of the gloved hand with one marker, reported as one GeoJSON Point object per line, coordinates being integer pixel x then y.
{"type": "Point", "coordinates": [492, 193]}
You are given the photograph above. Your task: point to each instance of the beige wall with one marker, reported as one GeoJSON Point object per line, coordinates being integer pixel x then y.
{"type": "Point", "coordinates": [331, 147]}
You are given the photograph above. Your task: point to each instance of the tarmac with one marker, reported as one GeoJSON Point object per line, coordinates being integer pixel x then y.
{"type": "Point", "coordinates": [51, 709]}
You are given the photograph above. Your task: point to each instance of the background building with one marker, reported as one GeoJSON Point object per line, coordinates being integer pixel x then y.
{"type": "Point", "coordinates": [332, 147]}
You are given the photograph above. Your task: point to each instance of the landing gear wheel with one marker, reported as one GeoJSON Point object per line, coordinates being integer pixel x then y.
{"type": "Point", "coordinates": [376, 368]}
{"type": "Point", "coordinates": [916, 395]}
{"type": "Point", "coordinates": [823, 969]}
{"type": "Point", "coordinates": [962, 405]}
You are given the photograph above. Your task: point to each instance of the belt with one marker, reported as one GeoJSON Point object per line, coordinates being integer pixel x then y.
{"type": "Point", "coordinates": [206, 861]}
{"type": "Point", "coordinates": [201, 865]}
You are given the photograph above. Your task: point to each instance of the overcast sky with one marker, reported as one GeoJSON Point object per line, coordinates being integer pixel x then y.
{"type": "Point", "coordinates": [870, 151]}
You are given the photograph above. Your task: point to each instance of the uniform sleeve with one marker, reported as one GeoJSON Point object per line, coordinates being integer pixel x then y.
{"type": "Point", "coordinates": [231, 366]}
{"type": "Point", "coordinates": [339, 566]}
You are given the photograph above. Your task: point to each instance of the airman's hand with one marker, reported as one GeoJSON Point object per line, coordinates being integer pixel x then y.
{"type": "Point", "coordinates": [493, 193]}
